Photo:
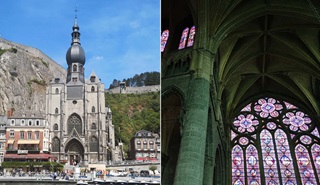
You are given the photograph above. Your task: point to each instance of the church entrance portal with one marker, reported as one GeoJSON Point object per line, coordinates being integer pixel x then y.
{"type": "Point", "coordinates": [74, 151]}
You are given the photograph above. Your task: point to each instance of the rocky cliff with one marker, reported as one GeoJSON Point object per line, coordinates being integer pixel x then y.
{"type": "Point", "coordinates": [24, 75]}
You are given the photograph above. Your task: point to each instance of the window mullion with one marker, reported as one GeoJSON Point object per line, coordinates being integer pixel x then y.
{"type": "Point", "coordinates": [276, 157]}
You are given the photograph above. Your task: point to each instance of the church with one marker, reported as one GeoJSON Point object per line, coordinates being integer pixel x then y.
{"type": "Point", "coordinates": [81, 128]}
{"type": "Point", "coordinates": [240, 92]}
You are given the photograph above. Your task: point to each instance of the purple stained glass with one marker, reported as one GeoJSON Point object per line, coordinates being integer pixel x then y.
{"type": "Point", "coordinates": [316, 157]}
{"type": "Point", "coordinates": [243, 141]}
{"type": "Point", "coordinates": [284, 154]}
{"type": "Point", "coordinates": [245, 123]}
{"type": "Point", "coordinates": [183, 39]}
{"type": "Point", "coordinates": [253, 172]}
{"type": "Point", "coordinates": [289, 105]}
{"type": "Point", "coordinates": [267, 107]}
{"type": "Point", "coordinates": [237, 165]}
{"type": "Point", "coordinates": [304, 164]}
{"type": "Point", "coordinates": [164, 39]}
{"type": "Point", "coordinates": [305, 139]}
{"type": "Point", "coordinates": [315, 133]}
{"type": "Point", "coordinates": [296, 121]}
{"type": "Point", "coordinates": [268, 155]}
{"type": "Point", "coordinates": [276, 141]}
{"type": "Point", "coordinates": [247, 108]}
{"type": "Point", "coordinates": [271, 125]}
{"type": "Point", "coordinates": [191, 36]}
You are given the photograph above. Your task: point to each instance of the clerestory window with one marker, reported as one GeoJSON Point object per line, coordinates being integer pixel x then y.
{"type": "Point", "coordinates": [274, 142]}
{"type": "Point", "coordinates": [185, 40]}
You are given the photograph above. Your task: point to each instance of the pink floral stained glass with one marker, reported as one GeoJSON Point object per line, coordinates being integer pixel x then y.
{"type": "Point", "coordinates": [191, 36]}
{"type": "Point", "coordinates": [246, 123]}
{"type": "Point", "coordinates": [164, 39]}
{"type": "Point", "coordinates": [297, 121]}
{"type": "Point", "coordinates": [183, 39]}
{"type": "Point", "coordinates": [237, 166]}
{"type": "Point", "coordinates": [267, 107]}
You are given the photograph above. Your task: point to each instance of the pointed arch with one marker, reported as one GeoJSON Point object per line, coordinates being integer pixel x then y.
{"type": "Point", "coordinates": [74, 122]}
{"type": "Point", "coordinates": [183, 39]}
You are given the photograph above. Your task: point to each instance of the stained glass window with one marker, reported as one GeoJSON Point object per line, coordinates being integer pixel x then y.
{"type": "Point", "coordinates": [191, 36]}
{"type": "Point", "coordinates": [185, 39]}
{"type": "Point", "coordinates": [164, 39]}
{"type": "Point", "coordinates": [274, 142]}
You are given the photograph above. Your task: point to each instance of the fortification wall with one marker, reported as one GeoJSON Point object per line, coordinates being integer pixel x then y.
{"type": "Point", "coordinates": [135, 90]}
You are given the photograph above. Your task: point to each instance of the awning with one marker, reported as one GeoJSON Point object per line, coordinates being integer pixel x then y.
{"type": "Point", "coordinates": [22, 141]}
{"type": "Point", "coordinates": [29, 156]}
{"type": "Point", "coordinates": [10, 141]}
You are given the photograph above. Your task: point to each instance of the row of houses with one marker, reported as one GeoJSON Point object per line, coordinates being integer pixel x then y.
{"type": "Point", "coordinates": [25, 136]}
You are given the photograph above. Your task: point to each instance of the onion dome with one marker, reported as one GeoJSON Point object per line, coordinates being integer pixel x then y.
{"type": "Point", "coordinates": [75, 53]}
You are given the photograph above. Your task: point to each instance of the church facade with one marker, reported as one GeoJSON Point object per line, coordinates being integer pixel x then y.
{"type": "Point", "coordinates": [81, 126]}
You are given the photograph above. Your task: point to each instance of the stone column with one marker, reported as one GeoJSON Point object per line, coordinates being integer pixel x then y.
{"type": "Point", "coordinates": [190, 163]}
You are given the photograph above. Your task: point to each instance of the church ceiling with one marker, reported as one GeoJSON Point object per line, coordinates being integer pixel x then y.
{"type": "Point", "coordinates": [263, 47]}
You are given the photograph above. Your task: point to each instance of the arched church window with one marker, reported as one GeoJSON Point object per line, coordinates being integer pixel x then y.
{"type": "Point", "coordinates": [55, 127]}
{"type": "Point", "coordinates": [164, 39]}
{"type": "Point", "coordinates": [93, 109]}
{"type": "Point", "coordinates": [55, 144]}
{"type": "Point", "coordinates": [56, 111]}
{"type": "Point", "coordinates": [94, 144]}
{"type": "Point", "coordinates": [74, 68]}
{"type": "Point", "coordinates": [93, 126]}
{"type": "Point", "coordinates": [92, 89]}
{"type": "Point", "coordinates": [185, 39]}
{"type": "Point", "coordinates": [57, 91]}
{"type": "Point", "coordinates": [191, 36]}
{"type": "Point", "coordinates": [274, 142]}
{"type": "Point", "coordinates": [74, 122]}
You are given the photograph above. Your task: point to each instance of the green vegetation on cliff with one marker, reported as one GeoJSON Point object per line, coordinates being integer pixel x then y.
{"type": "Point", "coordinates": [134, 112]}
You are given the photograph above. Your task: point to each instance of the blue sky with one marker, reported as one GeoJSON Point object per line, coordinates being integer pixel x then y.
{"type": "Point", "coordinates": [120, 38]}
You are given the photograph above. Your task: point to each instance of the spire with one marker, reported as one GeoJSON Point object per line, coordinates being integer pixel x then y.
{"type": "Point", "coordinates": [75, 34]}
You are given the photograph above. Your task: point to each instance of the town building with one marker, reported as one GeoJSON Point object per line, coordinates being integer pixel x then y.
{"type": "Point", "coordinates": [3, 124]}
{"type": "Point", "coordinates": [145, 146]}
{"type": "Point", "coordinates": [81, 127]}
{"type": "Point", "coordinates": [27, 137]}
{"type": "Point", "coordinates": [240, 92]}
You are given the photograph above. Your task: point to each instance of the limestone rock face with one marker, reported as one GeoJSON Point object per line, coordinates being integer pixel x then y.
{"type": "Point", "coordinates": [24, 75]}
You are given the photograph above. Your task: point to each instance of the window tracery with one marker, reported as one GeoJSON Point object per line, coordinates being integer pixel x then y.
{"type": "Point", "coordinates": [276, 139]}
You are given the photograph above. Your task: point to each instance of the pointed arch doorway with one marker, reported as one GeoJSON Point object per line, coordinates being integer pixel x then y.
{"type": "Point", "coordinates": [74, 151]}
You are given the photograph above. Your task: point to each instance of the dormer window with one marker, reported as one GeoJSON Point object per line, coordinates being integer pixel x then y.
{"type": "Point", "coordinates": [30, 123]}
{"type": "Point", "coordinates": [37, 122]}
{"type": "Point", "coordinates": [12, 122]}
